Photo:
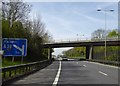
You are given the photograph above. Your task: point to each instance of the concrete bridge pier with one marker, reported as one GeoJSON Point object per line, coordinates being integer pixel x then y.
{"type": "Point", "coordinates": [89, 52]}
{"type": "Point", "coordinates": [50, 53]}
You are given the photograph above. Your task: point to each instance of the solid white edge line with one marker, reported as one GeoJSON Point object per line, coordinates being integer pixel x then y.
{"type": "Point", "coordinates": [57, 76]}
{"type": "Point", "coordinates": [103, 73]}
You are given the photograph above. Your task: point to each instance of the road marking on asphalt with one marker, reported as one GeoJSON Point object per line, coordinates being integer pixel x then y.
{"type": "Point", "coordinates": [84, 65]}
{"type": "Point", "coordinates": [57, 76]}
{"type": "Point", "coordinates": [103, 73]}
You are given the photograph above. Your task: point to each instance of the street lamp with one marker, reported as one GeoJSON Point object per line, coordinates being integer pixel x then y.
{"type": "Point", "coordinates": [80, 36]}
{"type": "Point", "coordinates": [104, 10]}
{"type": "Point", "coordinates": [77, 37]}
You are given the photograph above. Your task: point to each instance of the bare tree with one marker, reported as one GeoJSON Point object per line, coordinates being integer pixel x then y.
{"type": "Point", "coordinates": [99, 34]}
{"type": "Point", "coordinates": [47, 37]}
{"type": "Point", "coordinates": [38, 27]}
{"type": "Point", "coordinates": [14, 11]}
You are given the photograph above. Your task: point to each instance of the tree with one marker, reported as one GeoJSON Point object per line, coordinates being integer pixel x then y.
{"type": "Point", "coordinates": [14, 11]}
{"type": "Point", "coordinates": [75, 52]}
{"type": "Point", "coordinates": [99, 34]}
{"type": "Point", "coordinates": [33, 30]}
{"type": "Point", "coordinates": [6, 33]}
{"type": "Point", "coordinates": [111, 50]}
{"type": "Point", "coordinates": [47, 38]}
{"type": "Point", "coordinates": [113, 33]}
{"type": "Point", "coordinates": [38, 28]}
{"type": "Point", "coordinates": [38, 36]}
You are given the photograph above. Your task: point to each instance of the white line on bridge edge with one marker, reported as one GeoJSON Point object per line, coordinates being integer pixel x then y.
{"type": "Point", "coordinates": [57, 76]}
{"type": "Point", "coordinates": [103, 73]}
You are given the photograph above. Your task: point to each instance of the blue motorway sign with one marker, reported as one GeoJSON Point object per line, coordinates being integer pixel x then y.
{"type": "Point", "coordinates": [14, 47]}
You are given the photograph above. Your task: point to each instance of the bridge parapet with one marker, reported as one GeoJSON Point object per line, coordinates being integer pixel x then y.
{"type": "Point", "coordinates": [83, 40]}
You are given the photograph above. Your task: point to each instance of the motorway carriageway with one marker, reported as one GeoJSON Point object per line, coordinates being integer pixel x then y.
{"type": "Point", "coordinates": [72, 73]}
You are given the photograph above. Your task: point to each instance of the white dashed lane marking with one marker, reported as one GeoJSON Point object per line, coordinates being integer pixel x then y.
{"type": "Point", "coordinates": [103, 73]}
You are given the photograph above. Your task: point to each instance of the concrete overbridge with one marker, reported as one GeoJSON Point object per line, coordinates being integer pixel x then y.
{"type": "Point", "coordinates": [89, 46]}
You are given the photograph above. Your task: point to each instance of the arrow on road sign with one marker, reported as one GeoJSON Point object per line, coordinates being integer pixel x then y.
{"type": "Point", "coordinates": [20, 49]}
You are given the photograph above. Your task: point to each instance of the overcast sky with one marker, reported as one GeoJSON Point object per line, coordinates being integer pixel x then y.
{"type": "Point", "coordinates": [64, 20]}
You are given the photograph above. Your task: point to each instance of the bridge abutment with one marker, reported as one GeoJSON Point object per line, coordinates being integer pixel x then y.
{"type": "Point", "coordinates": [89, 52]}
{"type": "Point", "coordinates": [50, 53]}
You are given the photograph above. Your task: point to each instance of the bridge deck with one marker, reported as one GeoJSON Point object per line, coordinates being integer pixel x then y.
{"type": "Point", "coordinates": [78, 44]}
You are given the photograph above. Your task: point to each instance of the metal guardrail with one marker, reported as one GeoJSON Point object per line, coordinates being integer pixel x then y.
{"type": "Point", "coordinates": [12, 72]}
{"type": "Point", "coordinates": [114, 63]}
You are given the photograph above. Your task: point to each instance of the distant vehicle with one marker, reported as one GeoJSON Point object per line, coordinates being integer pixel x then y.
{"type": "Point", "coordinates": [64, 58]}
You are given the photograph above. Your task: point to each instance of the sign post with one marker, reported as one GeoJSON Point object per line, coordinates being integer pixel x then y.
{"type": "Point", "coordinates": [13, 59]}
{"type": "Point", "coordinates": [22, 53]}
{"type": "Point", "coordinates": [14, 47]}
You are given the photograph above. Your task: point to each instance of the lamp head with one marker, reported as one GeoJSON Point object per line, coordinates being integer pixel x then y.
{"type": "Point", "coordinates": [99, 9]}
{"type": "Point", "coordinates": [112, 10]}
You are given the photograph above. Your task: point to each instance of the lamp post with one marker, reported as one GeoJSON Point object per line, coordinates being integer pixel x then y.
{"type": "Point", "coordinates": [77, 37]}
{"type": "Point", "coordinates": [105, 11]}
{"type": "Point", "coordinates": [80, 36]}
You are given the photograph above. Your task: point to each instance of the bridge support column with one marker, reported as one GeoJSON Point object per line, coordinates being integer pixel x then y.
{"type": "Point", "coordinates": [50, 53]}
{"type": "Point", "coordinates": [89, 52]}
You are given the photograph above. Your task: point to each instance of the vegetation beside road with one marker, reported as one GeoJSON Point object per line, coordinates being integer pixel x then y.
{"type": "Point", "coordinates": [99, 52]}
{"type": "Point", "coordinates": [77, 52]}
{"type": "Point", "coordinates": [111, 51]}
{"type": "Point", "coordinates": [6, 63]}
{"type": "Point", "coordinates": [16, 23]}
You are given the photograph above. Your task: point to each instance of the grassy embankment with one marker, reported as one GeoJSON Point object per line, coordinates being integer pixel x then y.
{"type": "Point", "coordinates": [76, 57]}
{"type": "Point", "coordinates": [7, 63]}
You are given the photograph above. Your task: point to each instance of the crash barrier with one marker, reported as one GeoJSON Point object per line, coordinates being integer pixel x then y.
{"type": "Point", "coordinates": [114, 63]}
{"type": "Point", "coordinates": [12, 72]}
